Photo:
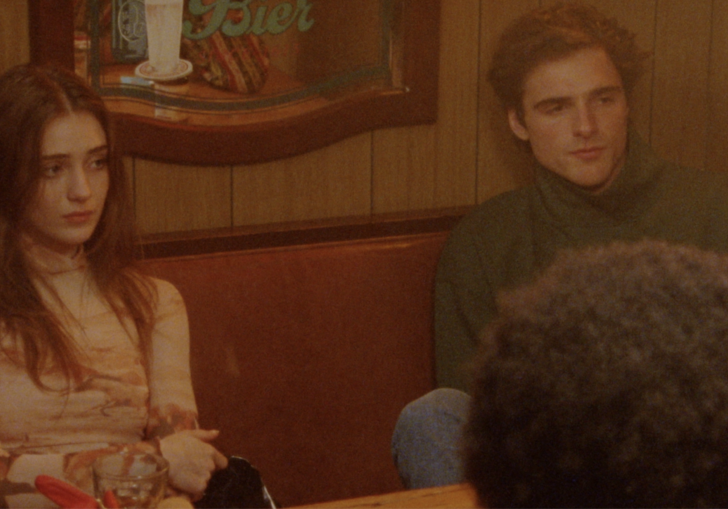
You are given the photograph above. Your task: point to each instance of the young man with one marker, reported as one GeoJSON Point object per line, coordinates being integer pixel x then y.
{"type": "Point", "coordinates": [564, 74]}
{"type": "Point", "coordinates": [605, 384]}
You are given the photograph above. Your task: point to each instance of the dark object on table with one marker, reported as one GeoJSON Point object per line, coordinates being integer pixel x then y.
{"type": "Point", "coordinates": [238, 485]}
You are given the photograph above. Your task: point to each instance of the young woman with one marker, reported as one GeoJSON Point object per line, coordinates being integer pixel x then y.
{"type": "Point", "coordinates": [94, 356]}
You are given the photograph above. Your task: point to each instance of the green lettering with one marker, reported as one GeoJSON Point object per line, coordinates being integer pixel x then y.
{"type": "Point", "coordinates": [197, 8]}
{"type": "Point", "coordinates": [280, 18]}
{"type": "Point", "coordinates": [232, 30]}
{"type": "Point", "coordinates": [303, 23]}
{"type": "Point", "coordinates": [280, 12]}
{"type": "Point", "coordinates": [259, 20]}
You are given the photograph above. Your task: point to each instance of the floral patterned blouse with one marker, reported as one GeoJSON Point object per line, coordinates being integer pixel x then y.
{"type": "Point", "coordinates": [117, 405]}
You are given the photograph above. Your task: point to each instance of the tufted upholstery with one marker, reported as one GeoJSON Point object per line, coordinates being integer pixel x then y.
{"type": "Point", "coordinates": [304, 355]}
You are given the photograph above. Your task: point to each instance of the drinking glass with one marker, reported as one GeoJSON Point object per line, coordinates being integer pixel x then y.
{"type": "Point", "coordinates": [164, 34]}
{"type": "Point", "coordinates": [137, 480]}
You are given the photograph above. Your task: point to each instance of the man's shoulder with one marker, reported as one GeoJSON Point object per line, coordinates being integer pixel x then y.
{"type": "Point", "coordinates": [496, 216]}
{"type": "Point", "coordinates": [694, 183]}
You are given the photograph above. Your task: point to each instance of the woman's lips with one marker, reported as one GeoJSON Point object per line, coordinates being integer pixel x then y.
{"type": "Point", "coordinates": [78, 217]}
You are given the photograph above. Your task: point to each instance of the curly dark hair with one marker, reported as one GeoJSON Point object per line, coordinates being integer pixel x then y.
{"type": "Point", "coordinates": [551, 33]}
{"type": "Point", "coordinates": [605, 384]}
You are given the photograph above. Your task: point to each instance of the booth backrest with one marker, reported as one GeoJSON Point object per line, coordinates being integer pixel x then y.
{"type": "Point", "coordinates": [304, 355]}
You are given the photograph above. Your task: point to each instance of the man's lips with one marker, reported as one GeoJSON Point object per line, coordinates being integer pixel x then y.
{"type": "Point", "coordinates": [588, 154]}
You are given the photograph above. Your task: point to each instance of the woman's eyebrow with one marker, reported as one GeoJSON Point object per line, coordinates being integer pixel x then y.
{"type": "Point", "coordinates": [95, 150]}
{"type": "Point", "coordinates": [100, 148]}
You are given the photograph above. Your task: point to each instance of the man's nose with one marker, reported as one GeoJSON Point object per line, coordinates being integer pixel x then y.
{"type": "Point", "coordinates": [585, 123]}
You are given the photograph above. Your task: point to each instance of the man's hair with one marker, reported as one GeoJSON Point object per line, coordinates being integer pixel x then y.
{"type": "Point", "coordinates": [605, 383]}
{"type": "Point", "coordinates": [552, 33]}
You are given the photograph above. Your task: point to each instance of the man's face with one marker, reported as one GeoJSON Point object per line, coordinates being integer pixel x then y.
{"type": "Point", "coordinates": [575, 118]}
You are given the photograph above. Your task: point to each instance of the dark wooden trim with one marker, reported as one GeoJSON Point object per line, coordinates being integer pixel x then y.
{"type": "Point", "coordinates": [293, 234]}
{"type": "Point", "coordinates": [263, 142]}
{"type": "Point", "coordinates": [51, 33]}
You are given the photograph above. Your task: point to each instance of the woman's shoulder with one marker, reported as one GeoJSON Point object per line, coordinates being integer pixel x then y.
{"type": "Point", "coordinates": [163, 286]}
{"type": "Point", "coordinates": [167, 295]}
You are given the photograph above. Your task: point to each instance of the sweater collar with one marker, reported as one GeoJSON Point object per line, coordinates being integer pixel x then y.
{"type": "Point", "coordinates": [558, 200]}
{"type": "Point", "coordinates": [45, 261]}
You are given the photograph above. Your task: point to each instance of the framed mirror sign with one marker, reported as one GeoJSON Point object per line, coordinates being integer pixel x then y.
{"type": "Point", "coordinates": [232, 82]}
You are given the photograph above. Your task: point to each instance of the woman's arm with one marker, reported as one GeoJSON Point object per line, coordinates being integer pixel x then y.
{"type": "Point", "coordinates": [116, 407]}
{"type": "Point", "coordinates": [173, 415]}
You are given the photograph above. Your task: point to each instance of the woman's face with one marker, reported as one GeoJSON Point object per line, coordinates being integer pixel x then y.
{"type": "Point", "coordinates": [73, 185]}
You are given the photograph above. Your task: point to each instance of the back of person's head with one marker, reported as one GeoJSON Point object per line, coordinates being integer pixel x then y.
{"type": "Point", "coordinates": [605, 383]}
{"type": "Point", "coordinates": [554, 32]}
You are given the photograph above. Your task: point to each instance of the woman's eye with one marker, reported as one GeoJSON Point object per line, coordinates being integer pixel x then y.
{"type": "Point", "coordinates": [100, 163]}
{"type": "Point", "coordinates": [52, 170]}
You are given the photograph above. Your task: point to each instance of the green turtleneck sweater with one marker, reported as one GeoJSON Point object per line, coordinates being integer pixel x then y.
{"type": "Point", "coordinates": [508, 239]}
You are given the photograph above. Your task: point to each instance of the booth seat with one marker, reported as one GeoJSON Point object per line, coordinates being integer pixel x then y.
{"type": "Point", "coordinates": [304, 353]}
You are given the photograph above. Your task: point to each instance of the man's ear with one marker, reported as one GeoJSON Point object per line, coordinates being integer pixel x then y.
{"type": "Point", "coordinates": [516, 126]}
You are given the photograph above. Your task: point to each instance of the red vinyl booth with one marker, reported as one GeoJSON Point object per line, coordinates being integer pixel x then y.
{"type": "Point", "coordinates": [304, 354]}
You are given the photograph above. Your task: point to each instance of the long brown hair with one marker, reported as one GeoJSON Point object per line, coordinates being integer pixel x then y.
{"type": "Point", "coordinates": [30, 98]}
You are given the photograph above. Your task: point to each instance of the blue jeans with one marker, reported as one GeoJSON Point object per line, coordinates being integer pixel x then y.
{"type": "Point", "coordinates": [426, 445]}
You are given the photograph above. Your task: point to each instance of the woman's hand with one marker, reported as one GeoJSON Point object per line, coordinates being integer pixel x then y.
{"type": "Point", "coordinates": [192, 460]}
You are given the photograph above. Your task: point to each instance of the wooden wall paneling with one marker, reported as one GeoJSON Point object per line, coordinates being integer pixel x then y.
{"type": "Point", "coordinates": [680, 106]}
{"type": "Point", "coordinates": [434, 166]}
{"type": "Point", "coordinates": [14, 42]}
{"type": "Point", "coordinates": [502, 165]}
{"type": "Point", "coordinates": [717, 131]}
{"type": "Point", "coordinates": [457, 129]}
{"type": "Point", "coordinates": [172, 198]}
{"type": "Point", "coordinates": [328, 183]}
{"type": "Point", "coordinates": [404, 166]}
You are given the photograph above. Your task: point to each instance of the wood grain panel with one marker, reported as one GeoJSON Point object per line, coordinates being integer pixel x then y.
{"type": "Point", "coordinates": [434, 166]}
{"type": "Point", "coordinates": [717, 132]}
{"type": "Point", "coordinates": [180, 198]}
{"type": "Point", "coordinates": [14, 43]}
{"type": "Point", "coordinates": [404, 168]}
{"type": "Point", "coordinates": [680, 106]}
{"type": "Point", "coordinates": [327, 183]}
{"type": "Point", "coordinates": [502, 165]}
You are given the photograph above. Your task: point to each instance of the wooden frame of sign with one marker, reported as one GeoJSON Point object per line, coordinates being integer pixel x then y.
{"type": "Point", "coordinates": [408, 98]}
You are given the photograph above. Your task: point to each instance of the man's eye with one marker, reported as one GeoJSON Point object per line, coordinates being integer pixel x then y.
{"type": "Point", "coordinates": [553, 109]}
{"type": "Point", "coordinates": [607, 99]}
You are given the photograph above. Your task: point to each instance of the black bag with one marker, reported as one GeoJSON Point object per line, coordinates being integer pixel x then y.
{"type": "Point", "coordinates": [237, 486]}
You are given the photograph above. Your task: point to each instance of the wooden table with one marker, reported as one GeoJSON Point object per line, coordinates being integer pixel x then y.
{"type": "Point", "coordinates": [459, 496]}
